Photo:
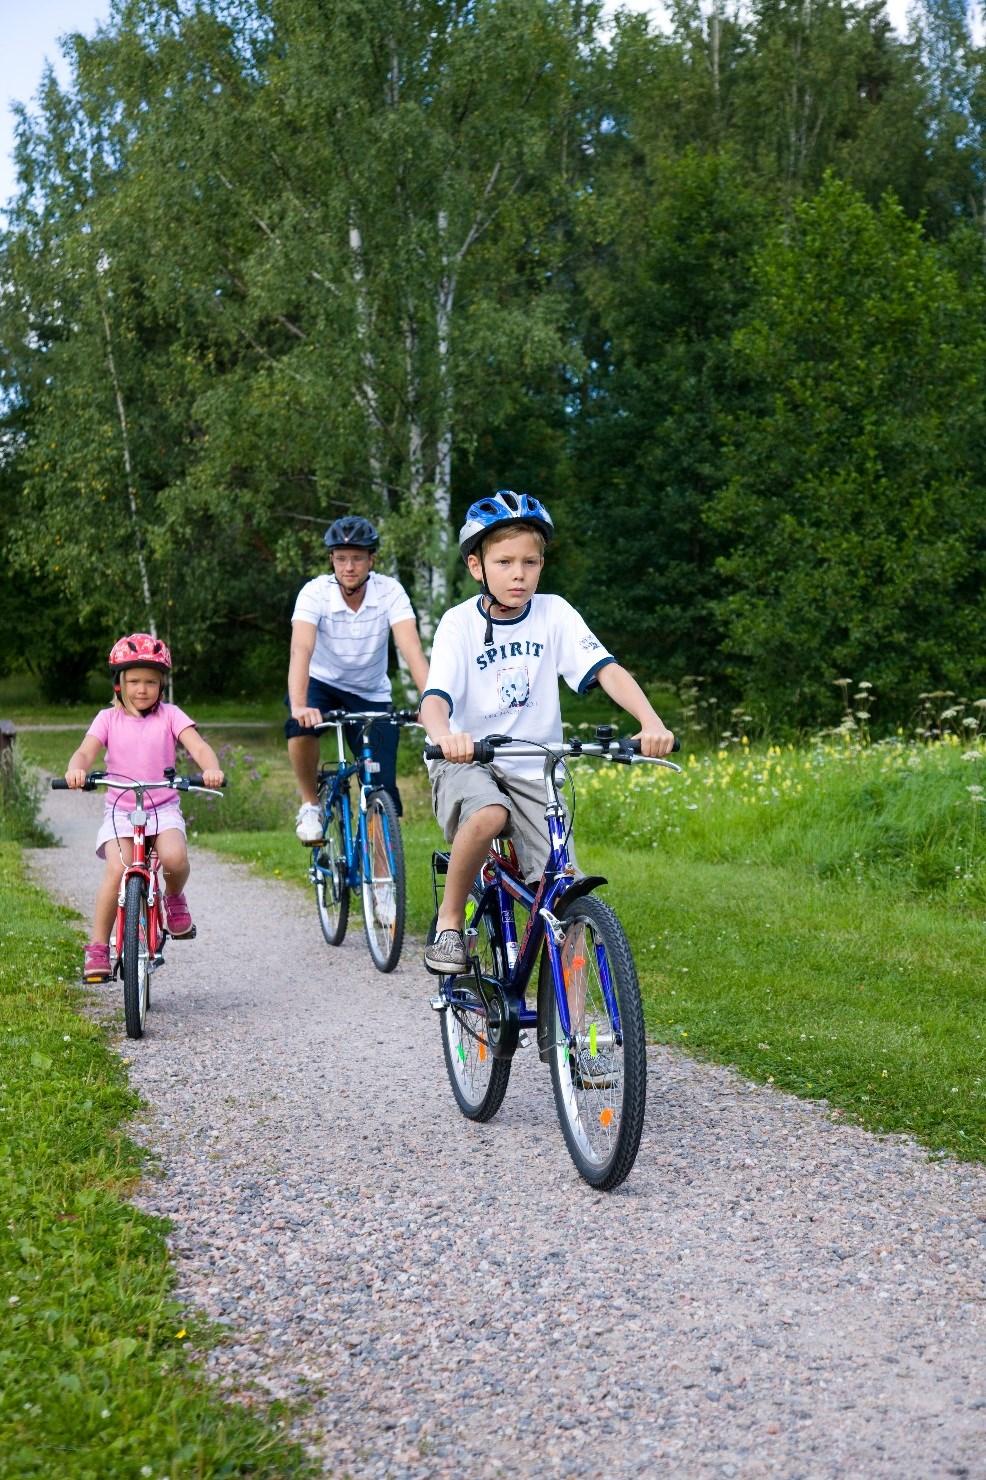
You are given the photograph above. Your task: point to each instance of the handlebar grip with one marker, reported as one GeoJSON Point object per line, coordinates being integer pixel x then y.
{"type": "Point", "coordinates": [634, 745]}
{"type": "Point", "coordinates": [483, 752]}
{"type": "Point", "coordinates": [182, 783]}
{"type": "Point", "coordinates": [58, 783]}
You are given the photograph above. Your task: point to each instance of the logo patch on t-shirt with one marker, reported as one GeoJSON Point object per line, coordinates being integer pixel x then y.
{"type": "Point", "coordinates": [513, 686]}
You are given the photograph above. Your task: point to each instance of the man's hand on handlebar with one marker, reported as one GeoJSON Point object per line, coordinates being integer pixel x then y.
{"type": "Point", "coordinates": [306, 716]}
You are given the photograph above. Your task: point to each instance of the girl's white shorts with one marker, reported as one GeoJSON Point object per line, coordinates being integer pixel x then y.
{"type": "Point", "coordinates": [160, 820]}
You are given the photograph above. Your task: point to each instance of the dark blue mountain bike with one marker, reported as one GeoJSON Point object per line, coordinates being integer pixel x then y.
{"type": "Point", "coordinates": [588, 1019]}
{"type": "Point", "coordinates": [368, 857]}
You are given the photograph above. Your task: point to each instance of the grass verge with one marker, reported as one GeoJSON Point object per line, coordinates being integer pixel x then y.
{"type": "Point", "coordinates": [832, 989]}
{"type": "Point", "coordinates": [98, 1377]}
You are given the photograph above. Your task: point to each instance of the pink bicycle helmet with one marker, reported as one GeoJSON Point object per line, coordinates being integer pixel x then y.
{"type": "Point", "coordinates": [139, 650]}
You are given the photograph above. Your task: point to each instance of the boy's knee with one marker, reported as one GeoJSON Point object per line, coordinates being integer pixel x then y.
{"type": "Point", "coordinates": [488, 821]}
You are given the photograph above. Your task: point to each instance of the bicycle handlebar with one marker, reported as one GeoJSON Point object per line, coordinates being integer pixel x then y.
{"type": "Point", "coordinates": [623, 751]}
{"type": "Point", "coordinates": [176, 783]}
{"type": "Point", "coordinates": [351, 716]}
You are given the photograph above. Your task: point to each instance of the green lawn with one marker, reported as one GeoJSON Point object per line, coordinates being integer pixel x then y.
{"type": "Point", "coordinates": [812, 916]}
{"type": "Point", "coordinates": [97, 1375]}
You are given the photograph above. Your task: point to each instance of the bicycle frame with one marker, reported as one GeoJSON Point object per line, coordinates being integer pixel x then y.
{"type": "Point", "coordinates": [144, 861]}
{"type": "Point", "coordinates": [559, 882]}
{"type": "Point", "coordinates": [364, 768]}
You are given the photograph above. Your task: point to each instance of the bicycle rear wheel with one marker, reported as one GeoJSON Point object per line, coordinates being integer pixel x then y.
{"type": "Point", "coordinates": [329, 872]}
{"type": "Point", "coordinates": [136, 956]}
{"type": "Point", "coordinates": [478, 1080]}
{"type": "Point", "coordinates": [384, 887]}
{"type": "Point", "coordinates": [599, 1076]}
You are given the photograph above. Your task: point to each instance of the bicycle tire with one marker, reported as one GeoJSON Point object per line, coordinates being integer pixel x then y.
{"type": "Point", "coordinates": [384, 895]}
{"type": "Point", "coordinates": [136, 956]}
{"type": "Point", "coordinates": [329, 873]}
{"type": "Point", "coordinates": [600, 1089]}
{"type": "Point", "coordinates": [479, 1081]}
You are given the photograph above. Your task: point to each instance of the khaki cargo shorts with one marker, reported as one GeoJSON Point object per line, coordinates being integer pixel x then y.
{"type": "Point", "coordinates": [457, 791]}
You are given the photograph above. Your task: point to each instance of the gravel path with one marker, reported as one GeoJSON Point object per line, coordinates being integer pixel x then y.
{"type": "Point", "coordinates": [771, 1293]}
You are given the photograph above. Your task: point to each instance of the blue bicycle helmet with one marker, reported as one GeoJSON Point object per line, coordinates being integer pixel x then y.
{"type": "Point", "coordinates": [353, 530]}
{"type": "Point", "coordinates": [504, 507]}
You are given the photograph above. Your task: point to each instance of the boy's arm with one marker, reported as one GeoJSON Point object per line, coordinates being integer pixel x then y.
{"type": "Point", "coordinates": [435, 715]}
{"type": "Point", "coordinates": [203, 755]}
{"type": "Point", "coordinates": [81, 761]}
{"type": "Point", "coordinates": [621, 686]}
{"type": "Point", "coordinates": [408, 644]}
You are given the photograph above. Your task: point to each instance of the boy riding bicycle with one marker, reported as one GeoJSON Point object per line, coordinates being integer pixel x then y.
{"type": "Point", "coordinates": [495, 666]}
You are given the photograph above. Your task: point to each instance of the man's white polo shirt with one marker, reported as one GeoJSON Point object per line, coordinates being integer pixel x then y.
{"type": "Point", "coordinates": [351, 646]}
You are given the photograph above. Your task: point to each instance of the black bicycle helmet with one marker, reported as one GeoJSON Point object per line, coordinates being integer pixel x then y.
{"type": "Point", "coordinates": [353, 530]}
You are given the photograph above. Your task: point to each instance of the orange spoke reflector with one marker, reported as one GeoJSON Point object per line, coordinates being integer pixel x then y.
{"type": "Point", "coordinates": [606, 1116]}
{"type": "Point", "coordinates": [482, 1052]}
{"type": "Point", "coordinates": [578, 962]}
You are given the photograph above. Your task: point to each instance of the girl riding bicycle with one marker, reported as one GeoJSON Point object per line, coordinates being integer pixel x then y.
{"type": "Point", "coordinates": [140, 733]}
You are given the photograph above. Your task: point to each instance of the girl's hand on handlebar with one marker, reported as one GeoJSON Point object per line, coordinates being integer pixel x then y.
{"type": "Point", "coordinates": [655, 740]}
{"type": "Point", "coordinates": [75, 780]}
{"type": "Point", "coordinates": [214, 779]}
{"type": "Point", "coordinates": [454, 747]}
{"type": "Point", "coordinates": [306, 716]}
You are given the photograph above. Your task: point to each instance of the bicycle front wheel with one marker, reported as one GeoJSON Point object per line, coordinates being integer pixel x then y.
{"type": "Point", "coordinates": [136, 956]}
{"type": "Point", "coordinates": [329, 872]}
{"type": "Point", "coordinates": [478, 1080]}
{"type": "Point", "coordinates": [384, 888]}
{"type": "Point", "coordinates": [599, 1074]}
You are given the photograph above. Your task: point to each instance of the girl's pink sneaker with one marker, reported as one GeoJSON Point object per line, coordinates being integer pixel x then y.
{"type": "Point", "coordinates": [96, 962]}
{"type": "Point", "coordinates": [178, 916]}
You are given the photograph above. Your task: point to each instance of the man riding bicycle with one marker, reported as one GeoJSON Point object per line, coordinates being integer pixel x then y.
{"type": "Point", "coordinates": [339, 647]}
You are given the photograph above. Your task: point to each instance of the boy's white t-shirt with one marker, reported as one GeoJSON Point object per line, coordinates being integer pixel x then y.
{"type": "Point", "coordinates": [510, 687]}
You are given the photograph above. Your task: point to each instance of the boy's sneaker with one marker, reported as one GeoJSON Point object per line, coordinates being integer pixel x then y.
{"type": "Point", "coordinates": [96, 962]}
{"type": "Point", "coordinates": [594, 1073]}
{"type": "Point", "coordinates": [446, 956]}
{"type": "Point", "coordinates": [309, 824]}
{"type": "Point", "coordinates": [178, 917]}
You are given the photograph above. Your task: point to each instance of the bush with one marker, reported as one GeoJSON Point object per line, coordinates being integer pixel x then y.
{"type": "Point", "coordinates": [247, 805]}
{"type": "Point", "coordinates": [20, 804]}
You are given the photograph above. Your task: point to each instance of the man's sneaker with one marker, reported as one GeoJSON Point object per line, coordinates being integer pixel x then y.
{"type": "Point", "coordinates": [446, 956]}
{"type": "Point", "coordinates": [178, 916]}
{"type": "Point", "coordinates": [309, 828]}
{"type": "Point", "coordinates": [385, 903]}
{"type": "Point", "coordinates": [598, 1072]}
{"type": "Point", "coordinates": [96, 962]}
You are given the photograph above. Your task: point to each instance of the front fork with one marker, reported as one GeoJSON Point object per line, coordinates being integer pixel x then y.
{"type": "Point", "coordinates": [553, 984]}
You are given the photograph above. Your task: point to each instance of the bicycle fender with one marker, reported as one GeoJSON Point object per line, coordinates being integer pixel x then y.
{"type": "Point", "coordinates": [546, 985]}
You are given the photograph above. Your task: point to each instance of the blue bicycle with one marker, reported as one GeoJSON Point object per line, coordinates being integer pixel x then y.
{"type": "Point", "coordinates": [588, 1019]}
{"type": "Point", "coordinates": [367, 857]}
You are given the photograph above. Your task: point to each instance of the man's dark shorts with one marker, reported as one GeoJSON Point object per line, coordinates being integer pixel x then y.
{"type": "Point", "coordinates": [383, 737]}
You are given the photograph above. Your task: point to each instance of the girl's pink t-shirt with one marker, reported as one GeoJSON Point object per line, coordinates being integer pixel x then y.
{"type": "Point", "coordinates": [140, 748]}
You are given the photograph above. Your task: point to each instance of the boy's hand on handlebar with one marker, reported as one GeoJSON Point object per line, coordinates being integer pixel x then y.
{"type": "Point", "coordinates": [306, 716]}
{"type": "Point", "coordinates": [655, 740]}
{"type": "Point", "coordinates": [75, 780]}
{"type": "Point", "coordinates": [455, 747]}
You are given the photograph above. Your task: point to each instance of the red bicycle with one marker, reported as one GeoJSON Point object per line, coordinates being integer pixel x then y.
{"type": "Point", "coordinates": [141, 928]}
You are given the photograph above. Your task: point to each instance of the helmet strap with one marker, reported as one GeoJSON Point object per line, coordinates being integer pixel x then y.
{"type": "Point", "coordinates": [488, 639]}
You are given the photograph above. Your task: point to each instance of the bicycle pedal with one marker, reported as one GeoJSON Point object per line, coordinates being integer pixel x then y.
{"type": "Point", "coordinates": [524, 1039]}
{"type": "Point", "coordinates": [187, 935]}
{"type": "Point", "coordinates": [438, 1004]}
